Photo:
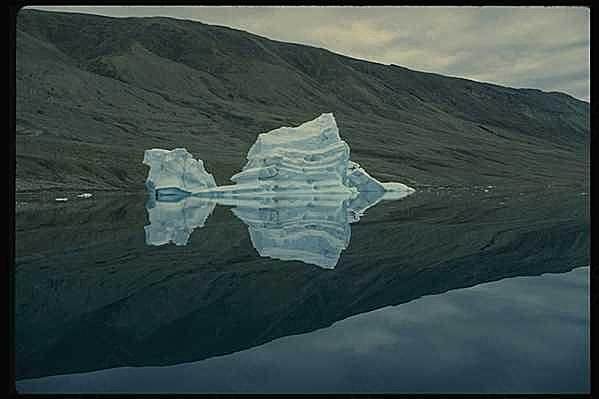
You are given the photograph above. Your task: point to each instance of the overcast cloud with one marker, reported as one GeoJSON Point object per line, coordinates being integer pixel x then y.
{"type": "Point", "coordinates": [536, 47]}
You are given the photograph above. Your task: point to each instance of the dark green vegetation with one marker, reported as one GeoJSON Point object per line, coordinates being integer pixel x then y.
{"type": "Point", "coordinates": [94, 92]}
{"type": "Point", "coordinates": [91, 295]}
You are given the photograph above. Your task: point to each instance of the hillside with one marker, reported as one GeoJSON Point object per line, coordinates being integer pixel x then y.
{"type": "Point", "coordinates": [94, 92]}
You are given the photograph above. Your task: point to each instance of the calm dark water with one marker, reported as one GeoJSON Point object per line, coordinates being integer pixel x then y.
{"type": "Point", "coordinates": [442, 291]}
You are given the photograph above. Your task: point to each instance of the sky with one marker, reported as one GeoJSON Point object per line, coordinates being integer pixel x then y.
{"type": "Point", "coordinates": [546, 48]}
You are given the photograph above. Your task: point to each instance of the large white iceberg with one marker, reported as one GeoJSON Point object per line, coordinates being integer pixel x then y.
{"type": "Point", "coordinates": [310, 159]}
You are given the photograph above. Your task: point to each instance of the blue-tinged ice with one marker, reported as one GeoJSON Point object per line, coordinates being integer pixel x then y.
{"type": "Point", "coordinates": [176, 170]}
{"type": "Point", "coordinates": [308, 158]}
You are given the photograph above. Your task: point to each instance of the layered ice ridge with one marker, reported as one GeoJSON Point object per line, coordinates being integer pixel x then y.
{"type": "Point", "coordinates": [310, 157]}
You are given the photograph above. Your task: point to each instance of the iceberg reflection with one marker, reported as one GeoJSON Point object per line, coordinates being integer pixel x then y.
{"type": "Point", "coordinates": [313, 230]}
{"type": "Point", "coordinates": [174, 221]}
{"type": "Point", "coordinates": [298, 193]}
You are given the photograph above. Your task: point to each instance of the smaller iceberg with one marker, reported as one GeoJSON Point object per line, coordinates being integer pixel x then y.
{"type": "Point", "coordinates": [176, 172]}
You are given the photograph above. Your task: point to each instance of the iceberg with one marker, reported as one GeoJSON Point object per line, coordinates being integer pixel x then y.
{"type": "Point", "coordinates": [298, 193]}
{"type": "Point", "coordinates": [175, 172]}
{"type": "Point", "coordinates": [307, 160]}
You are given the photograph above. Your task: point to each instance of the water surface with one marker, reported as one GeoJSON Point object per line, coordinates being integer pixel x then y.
{"type": "Point", "coordinates": [432, 293]}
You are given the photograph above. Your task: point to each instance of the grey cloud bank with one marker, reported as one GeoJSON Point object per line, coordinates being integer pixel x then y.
{"type": "Point", "coordinates": [546, 48]}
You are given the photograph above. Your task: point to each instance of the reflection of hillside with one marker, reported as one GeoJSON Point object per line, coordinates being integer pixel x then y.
{"type": "Point", "coordinates": [95, 296]}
